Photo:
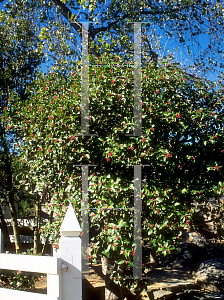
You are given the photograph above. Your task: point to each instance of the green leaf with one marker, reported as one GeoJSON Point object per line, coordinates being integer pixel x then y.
{"type": "Point", "coordinates": [107, 254]}
{"type": "Point", "coordinates": [120, 262]}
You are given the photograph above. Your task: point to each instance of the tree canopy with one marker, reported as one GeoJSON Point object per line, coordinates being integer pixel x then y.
{"type": "Point", "coordinates": [183, 150]}
{"type": "Point", "coordinates": [195, 26]}
{"type": "Point", "coordinates": [18, 59]}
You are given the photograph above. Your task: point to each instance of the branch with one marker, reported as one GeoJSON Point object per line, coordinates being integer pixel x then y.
{"type": "Point", "coordinates": [108, 27]}
{"type": "Point", "coordinates": [153, 54]}
{"type": "Point", "coordinates": [66, 12]}
{"type": "Point", "coordinates": [144, 12]}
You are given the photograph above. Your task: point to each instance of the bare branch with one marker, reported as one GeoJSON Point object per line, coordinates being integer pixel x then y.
{"type": "Point", "coordinates": [144, 12]}
{"type": "Point", "coordinates": [66, 12]}
{"type": "Point", "coordinates": [153, 55]}
{"type": "Point", "coordinates": [92, 32]}
{"type": "Point", "coordinates": [108, 27]}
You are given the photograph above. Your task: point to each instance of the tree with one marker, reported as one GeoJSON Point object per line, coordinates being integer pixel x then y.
{"type": "Point", "coordinates": [18, 63]}
{"type": "Point", "coordinates": [182, 119]}
{"type": "Point", "coordinates": [168, 22]}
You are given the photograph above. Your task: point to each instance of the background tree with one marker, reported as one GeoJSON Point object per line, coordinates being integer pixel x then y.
{"type": "Point", "coordinates": [18, 64]}
{"type": "Point", "coordinates": [183, 23]}
{"type": "Point", "coordinates": [196, 27]}
{"type": "Point", "coordinates": [182, 119]}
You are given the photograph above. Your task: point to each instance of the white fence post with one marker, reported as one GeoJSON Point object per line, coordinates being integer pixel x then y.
{"type": "Point", "coordinates": [71, 258]}
{"type": "Point", "coordinates": [64, 272]}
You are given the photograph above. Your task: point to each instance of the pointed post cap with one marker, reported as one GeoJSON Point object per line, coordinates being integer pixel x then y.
{"type": "Point", "coordinates": [70, 225]}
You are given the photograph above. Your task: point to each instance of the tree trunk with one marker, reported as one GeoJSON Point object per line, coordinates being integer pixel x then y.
{"type": "Point", "coordinates": [10, 190]}
{"type": "Point", "coordinates": [36, 228]}
{"type": "Point", "coordinates": [111, 289]}
{"type": "Point", "coordinates": [122, 270]}
{"type": "Point", "coordinates": [117, 291]}
{"type": "Point", "coordinates": [15, 224]}
{"type": "Point", "coordinates": [13, 210]}
{"type": "Point", "coordinates": [44, 249]}
{"type": "Point", "coordinates": [5, 231]}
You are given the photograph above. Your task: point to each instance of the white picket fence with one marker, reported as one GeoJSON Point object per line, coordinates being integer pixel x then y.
{"type": "Point", "coordinates": [64, 273]}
